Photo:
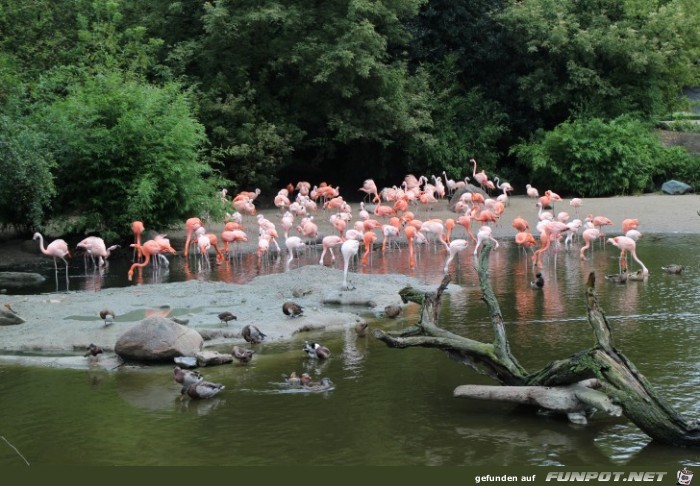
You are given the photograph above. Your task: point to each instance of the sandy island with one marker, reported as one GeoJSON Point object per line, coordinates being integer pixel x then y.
{"type": "Point", "coordinates": [59, 326]}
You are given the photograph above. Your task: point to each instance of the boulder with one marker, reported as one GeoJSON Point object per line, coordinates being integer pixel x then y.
{"type": "Point", "coordinates": [675, 187]}
{"type": "Point", "coordinates": [12, 280]}
{"type": "Point", "coordinates": [158, 339]}
{"type": "Point", "coordinates": [8, 318]}
{"type": "Point", "coordinates": [213, 358]}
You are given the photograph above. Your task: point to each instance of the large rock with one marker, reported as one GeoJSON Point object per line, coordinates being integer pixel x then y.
{"type": "Point", "coordinates": [8, 318]}
{"type": "Point", "coordinates": [675, 187]}
{"type": "Point", "coordinates": [158, 339]}
{"type": "Point", "coordinates": [20, 279]}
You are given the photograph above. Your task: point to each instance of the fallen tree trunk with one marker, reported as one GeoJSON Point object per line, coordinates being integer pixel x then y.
{"type": "Point", "coordinates": [599, 378]}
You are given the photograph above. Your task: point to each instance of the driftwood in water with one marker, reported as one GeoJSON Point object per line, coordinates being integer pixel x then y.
{"type": "Point", "coordinates": [599, 378]}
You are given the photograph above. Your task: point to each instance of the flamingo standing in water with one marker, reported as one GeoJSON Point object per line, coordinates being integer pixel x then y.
{"type": "Point", "coordinates": [588, 235]}
{"type": "Point", "coordinates": [483, 235]}
{"type": "Point", "coordinates": [137, 228]}
{"type": "Point", "coordinates": [370, 188]}
{"type": "Point", "coordinates": [148, 249]}
{"type": "Point", "coordinates": [626, 244]}
{"type": "Point", "coordinates": [56, 249]}
{"type": "Point", "coordinates": [191, 225]}
{"type": "Point", "coordinates": [349, 249]}
{"type": "Point", "coordinates": [293, 243]}
{"type": "Point", "coordinates": [456, 246]}
{"type": "Point", "coordinates": [329, 242]}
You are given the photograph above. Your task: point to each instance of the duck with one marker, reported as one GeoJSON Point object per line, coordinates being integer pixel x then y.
{"type": "Point", "coordinates": [637, 276]}
{"type": "Point", "coordinates": [252, 334]}
{"type": "Point", "coordinates": [93, 350]}
{"type": "Point", "coordinates": [242, 355]}
{"type": "Point", "coordinates": [292, 379]}
{"type": "Point", "coordinates": [361, 328]}
{"type": "Point", "coordinates": [538, 283]}
{"type": "Point", "coordinates": [292, 309]}
{"type": "Point", "coordinates": [108, 316]}
{"type": "Point", "coordinates": [315, 350]}
{"type": "Point", "coordinates": [186, 377]}
{"type": "Point", "coordinates": [323, 385]}
{"type": "Point", "coordinates": [673, 268]}
{"type": "Point", "coordinates": [202, 389]}
{"type": "Point", "coordinates": [226, 316]}
{"type": "Point", "coordinates": [392, 311]}
{"type": "Point", "coordinates": [617, 278]}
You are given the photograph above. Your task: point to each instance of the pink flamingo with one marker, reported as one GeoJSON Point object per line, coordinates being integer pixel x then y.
{"type": "Point", "coordinates": [532, 192]}
{"type": "Point", "coordinates": [148, 249]}
{"type": "Point", "coordinates": [370, 188]}
{"type": "Point", "coordinates": [456, 246]}
{"type": "Point", "coordinates": [57, 249]}
{"type": "Point", "coordinates": [329, 242]}
{"type": "Point", "coordinates": [293, 243]}
{"type": "Point", "coordinates": [232, 236]}
{"type": "Point", "coordinates": [191, 225]}
{"type": "Point", "coordinates": [349, 249]}
{"type": "Point", "coordinates": [483, 235]}
{"type": "Point", "coordinates": [626, 244]}
{"type": "Point", "coordinates": [588, 236]}
{"type": "Point", "coordinates": [480, 177]}
{"type": "Point", "coordinates": [137, 228]}
{"type": "Point", "coordinates": [629, 224]}
{"type": "Point", "coordinates": [368, 239]}
{"type": "Point", "coordinates": [411, 232]}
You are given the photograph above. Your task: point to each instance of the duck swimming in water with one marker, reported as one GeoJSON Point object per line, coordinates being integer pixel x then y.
{"type": "Point", "coordinates": [315, 350]}
{"type": "Point", "coordinates": [242, 355]}
{"type": "Point", "coordinates": [538, 283]}
{"type": "Point", "coordinates": [673, 268]}
{"type": "Point", "coordinates": [202, 389]}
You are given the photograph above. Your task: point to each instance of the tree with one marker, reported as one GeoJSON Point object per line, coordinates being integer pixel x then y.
{"type": "Point", "coordinates": [127, 150]}
{"type": "Point", "coordinates": [595, 158]}
{"type": "Point", "coordinates": [602, 58]}
{"type": "Point", "coordinates": [600, 378]}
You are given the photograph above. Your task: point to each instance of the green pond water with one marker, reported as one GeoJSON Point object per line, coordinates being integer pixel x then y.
{"type": "Point", "coordinates": [389, 406]}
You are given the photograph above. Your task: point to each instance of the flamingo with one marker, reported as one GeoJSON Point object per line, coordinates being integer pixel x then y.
{"type": "Point", "coordinates": [626, 244]}
{"type": "Point", "coordinates": [576, 203]}
{"type": "Point", "coordinates": [629, 224]}
{"type": "Point", "coordinates": [411, 232]}
{"type": "Point", "coordinates": [368, 239]}
{"type": "Point", "coordinates": [137, 228]}
{"type": "Point", "coordinates": [349, 249]}
{"type": "Point", "coordinates": [588, 236]}
{"type": "Point", "coordinates": [232, 236]}
{"type": "Point", "coordinates": [369, 187]}
{"type": "Point", "coordinates": [329, 242]}
{"type": "Point", "coordinates": [484, 234]}
{"type": "Point", "coordinates": [191, 225]}
{"type": "Point", "coordinates": [56, 249]}
{"type": "Point", "coordinates": [293, 243]}
{"type": "Point", "coordinates": [148, 249]}
{"type": "Point", "coordinates": [532, 192]}
{"type": "Point", "coordinates": [480, 177]}
{"type": "Point", "coordinates": [456, 246]}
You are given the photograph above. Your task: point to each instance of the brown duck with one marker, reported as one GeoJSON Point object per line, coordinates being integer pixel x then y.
{"type": "Point", "coordinates": [242, 355]}
{"type": "Point", "coordinates": [292, 309]}
{"type": "Point", "coordinates": [226, 316]}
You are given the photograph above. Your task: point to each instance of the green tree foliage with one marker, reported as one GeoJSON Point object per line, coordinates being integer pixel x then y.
{"type": "Point", "coordinates": [125, 151]}
{"type": "Point", "coordinates": [313, 85]}
{"type": "Point", "coordinates": [595, 158]}
{"type": "Point", "coordinates": [27, 184]}
{"type": "Point", "coordinates": [602, 58]}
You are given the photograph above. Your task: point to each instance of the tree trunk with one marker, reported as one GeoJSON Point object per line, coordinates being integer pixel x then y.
{"type": "Point", "coordinates": [600, 378]}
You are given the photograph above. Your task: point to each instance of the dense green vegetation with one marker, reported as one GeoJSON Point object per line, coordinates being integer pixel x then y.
{"type": "Point", "coordinates": [112, 110]}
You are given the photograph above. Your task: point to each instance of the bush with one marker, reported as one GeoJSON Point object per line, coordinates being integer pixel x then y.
{"type": "Point", "coordinates": [127, 150]}
{"type": "Point", "coordinates": [594, 158]}
{"type": "Point", "coordinates": [27, 186]}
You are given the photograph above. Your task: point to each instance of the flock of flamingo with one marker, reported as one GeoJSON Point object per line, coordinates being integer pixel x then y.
{"type": "Point", "coordinates": [393, 215]}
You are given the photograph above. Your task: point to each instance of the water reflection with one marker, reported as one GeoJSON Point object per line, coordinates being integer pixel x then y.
{"type": "Point", "coordinates": [656, 324]}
